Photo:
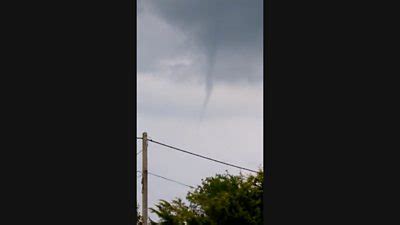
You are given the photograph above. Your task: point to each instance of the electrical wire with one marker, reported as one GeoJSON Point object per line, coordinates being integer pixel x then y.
{"type": "Point", "coordinates": [168, 179]}
{"type": "Point", "coordinates": [204, 157]}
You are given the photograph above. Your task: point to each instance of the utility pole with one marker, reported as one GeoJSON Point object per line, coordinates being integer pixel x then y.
{"type": "Point", "coordinates": [144, 178]}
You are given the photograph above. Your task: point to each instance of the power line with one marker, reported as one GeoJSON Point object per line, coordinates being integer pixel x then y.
{"type": "Point", "coordinates": [204, 157]}
{"type": "Point", "coordinates": [139, 138]}
{"type": "Point", "coordinates": [168, 179]}
{"type": "Point", "coordinates": [139, 152]}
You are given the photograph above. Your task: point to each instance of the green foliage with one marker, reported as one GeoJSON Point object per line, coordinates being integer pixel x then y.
{"type": "Point", "coordinates": [220, 200]}
{"type": "Point", "coordinates": [139, 218]}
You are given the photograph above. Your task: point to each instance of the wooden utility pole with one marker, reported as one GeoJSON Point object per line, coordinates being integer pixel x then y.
{"type": "Point", "coordinates": [144, 179]}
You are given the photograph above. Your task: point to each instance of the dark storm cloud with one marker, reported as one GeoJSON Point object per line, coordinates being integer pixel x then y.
{"type": "Point", "coordinates": [229, 33]}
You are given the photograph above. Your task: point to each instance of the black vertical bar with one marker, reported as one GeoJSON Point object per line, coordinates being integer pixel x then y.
{"type": "Point", "coordinates": [132, 114]}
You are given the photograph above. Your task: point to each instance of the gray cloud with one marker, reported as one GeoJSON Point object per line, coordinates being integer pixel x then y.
{"type": "Point", "coordinates": [228, 34]}
{"type": "Point", "coordinates": [163, 98]}
{"type": "Point", "coordinates": [215, 23]}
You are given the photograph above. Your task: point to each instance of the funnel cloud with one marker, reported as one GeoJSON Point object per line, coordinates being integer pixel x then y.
{"type": "Point", "coordinates": [228, 34]}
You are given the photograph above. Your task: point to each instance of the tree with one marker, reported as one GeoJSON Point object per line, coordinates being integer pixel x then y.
{"type": "Point", "coordinates": [138, 217]}
{"type": "Point", "coordinates": [220, 200]}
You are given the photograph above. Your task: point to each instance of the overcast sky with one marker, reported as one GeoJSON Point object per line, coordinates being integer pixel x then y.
{"type": "Point", "coordinates": [200, 88]}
